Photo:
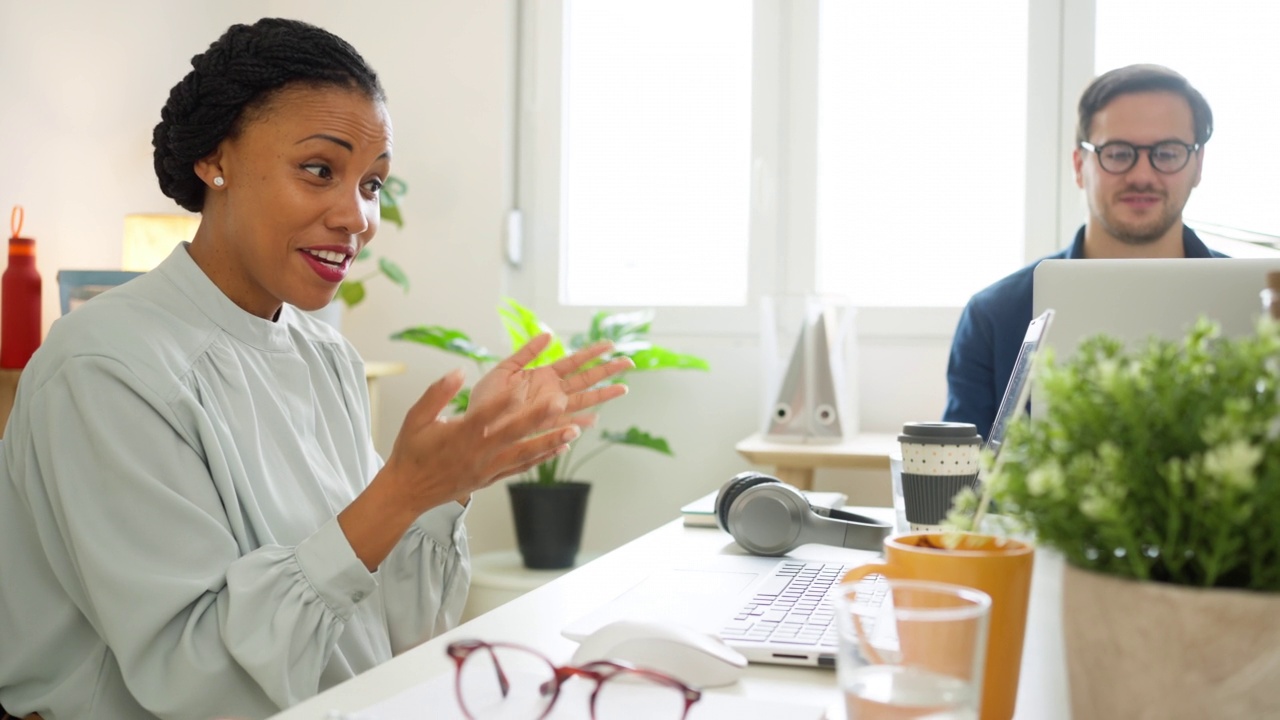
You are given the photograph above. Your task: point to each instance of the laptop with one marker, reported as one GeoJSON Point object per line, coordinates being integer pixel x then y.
{"type": "Point", "coordinates": [1136, 299]}
{"type": "Point", "coordinates": [779, 611]}
{"type": "Point", "coordinates": [1133, 300]}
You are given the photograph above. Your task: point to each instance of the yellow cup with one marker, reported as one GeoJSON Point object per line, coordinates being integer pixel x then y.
{"type": "Point", "coordinates": [1000, 567]}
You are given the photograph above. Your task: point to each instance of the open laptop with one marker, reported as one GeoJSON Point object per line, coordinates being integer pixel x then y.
{"type": "Point", "coordinates": [1133, 300]}
{"type": "Point", "coordinates": [1136, 299]}
{"type": "Point", "coordinates": [754, 603]}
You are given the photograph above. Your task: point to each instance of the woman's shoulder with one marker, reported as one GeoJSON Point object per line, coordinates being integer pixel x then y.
{"type": "Point", "coordinates": [140, 322]}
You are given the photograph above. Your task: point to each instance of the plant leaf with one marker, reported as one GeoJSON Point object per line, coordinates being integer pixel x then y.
{"type": "Point", "coordinates": [636, 437]}
{"type": "Point", "coordinates": [545, 473]}
{"type": "Point", "coordinates": [523, 325]}
{"type": "Point", "coordinates": [394, 273]}
{"type": "Point", "coordinates": [389, 210]}
{"type": "Point", "coordinates": [351, 292]}
{"type": "Point", "coordinates": [365, 253]}
{"type": "Point", "coordinates": [623, 328]}
{"type": "Point", "coordinates": [659, 358]}
{"type": "Point", "coordinates": [389, 200]}
{"type": "Point", "coordinates": [461, 401]}
{"type": "Point", "coordinates": [447, 339]}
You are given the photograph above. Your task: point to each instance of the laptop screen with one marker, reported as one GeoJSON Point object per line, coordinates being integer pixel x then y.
{"type": "Point", "coordinates": [1018, 392]}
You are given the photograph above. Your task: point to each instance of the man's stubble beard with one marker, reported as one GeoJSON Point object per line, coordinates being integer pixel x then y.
{"type": "Point", "coordinates": [1137, 235]}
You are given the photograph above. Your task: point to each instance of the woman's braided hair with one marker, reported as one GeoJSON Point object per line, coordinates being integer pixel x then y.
{"type": "Point", "coordinates": [239, 73]}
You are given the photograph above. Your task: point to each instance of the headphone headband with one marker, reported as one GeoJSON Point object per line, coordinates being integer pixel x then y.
{"type": "Point", "coordinates": [768, 517]}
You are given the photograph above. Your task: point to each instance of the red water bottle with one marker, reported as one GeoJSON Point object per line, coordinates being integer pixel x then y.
{"type": "Point", "coordinates": [19, 300]}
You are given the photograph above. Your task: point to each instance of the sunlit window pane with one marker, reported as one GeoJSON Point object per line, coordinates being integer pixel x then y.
{"type": "Point", "coordinates": [1226, 48]}
{"type": "Point", "coordinates": [657, 151]}
{"type": "Point", "coordinates": [921, 148]}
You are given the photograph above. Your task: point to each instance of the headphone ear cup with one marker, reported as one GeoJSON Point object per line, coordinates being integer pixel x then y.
{"type": "Point", "coordinates": [769, 518]}
{"type": "Point", "coordinates": [732, 489]}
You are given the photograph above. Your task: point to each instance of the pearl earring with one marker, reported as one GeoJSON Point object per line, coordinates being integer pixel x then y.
{"type": "Point", "coordinates": [219, 182]}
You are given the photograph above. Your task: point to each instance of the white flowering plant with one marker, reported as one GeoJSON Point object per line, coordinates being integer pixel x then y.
{"type": "Point", "coordinates": [1160, 463]}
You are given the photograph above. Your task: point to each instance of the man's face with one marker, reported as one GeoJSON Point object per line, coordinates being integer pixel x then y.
{"type": "Point", "coordinates": [1141, 205]}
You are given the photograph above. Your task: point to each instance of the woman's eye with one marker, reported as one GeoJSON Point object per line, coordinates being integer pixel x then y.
{"type": "Point", "coordinates": [319, 170]}
{"type": "Point", "coordinates": [373, 186]}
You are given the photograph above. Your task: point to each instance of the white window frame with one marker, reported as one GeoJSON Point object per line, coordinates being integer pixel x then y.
{"type": "Point", "coordinates": [539, 108]}
{"type": "Point", "coordinates": [784, 135]}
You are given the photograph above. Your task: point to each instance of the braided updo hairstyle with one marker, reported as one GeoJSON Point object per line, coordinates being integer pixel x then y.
{"type": "Point", "coordinates": [239, 73]}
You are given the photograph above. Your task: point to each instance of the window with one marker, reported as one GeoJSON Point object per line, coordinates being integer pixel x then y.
{"type": "Point", "coordinates": [921, 148]}
{"type": "Point", "coordinates": [701, 154]}
{"type": "Point", "coordinates": [1224, 48]}
{"type": "Point", "coordinates": [657, 154]}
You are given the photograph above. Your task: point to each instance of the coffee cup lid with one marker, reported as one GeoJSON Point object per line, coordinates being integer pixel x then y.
{"type": "Point", "coordinates": [940, 433]}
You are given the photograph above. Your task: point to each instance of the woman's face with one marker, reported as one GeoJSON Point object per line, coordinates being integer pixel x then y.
{"type": "Point", "coordinates": [299, 198]}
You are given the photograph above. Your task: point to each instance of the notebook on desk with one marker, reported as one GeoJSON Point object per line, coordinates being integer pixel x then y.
{"type": "Point", "coordinates": [780, 611]}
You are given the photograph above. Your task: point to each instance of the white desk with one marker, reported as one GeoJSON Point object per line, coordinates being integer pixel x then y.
{"type": "Point", "coordinates": [535, 620]}
{"type": "Point", "coordinates": [499, 577]}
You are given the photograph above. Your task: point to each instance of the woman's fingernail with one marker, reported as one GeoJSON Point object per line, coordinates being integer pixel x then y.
{"type": "Point", "coordinates": [571, 434]}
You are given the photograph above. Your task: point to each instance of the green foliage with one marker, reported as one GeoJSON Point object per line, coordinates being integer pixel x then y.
{"type": "Point", "coordinates": [389, 200]}
{"type": "Point", "coordinates": [352, 292]}
{"type": "Point", "coordinates": [1157, 464]}
{"type": "Point", "coordinates": [451, 341]}
{"type": "Point", "coordinates": [629, 332]}
{"type": "Point", "coordinates": [638, 438]}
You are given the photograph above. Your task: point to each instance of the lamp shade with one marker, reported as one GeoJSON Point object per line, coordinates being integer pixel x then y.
{"type": "Point", "coordinates": [149, 238]}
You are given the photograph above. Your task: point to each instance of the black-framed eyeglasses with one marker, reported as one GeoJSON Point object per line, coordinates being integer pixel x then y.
{"type": "Point", "coordinates": [504, 680]}
{"type": "Point", "coordinates": [1118, 157]}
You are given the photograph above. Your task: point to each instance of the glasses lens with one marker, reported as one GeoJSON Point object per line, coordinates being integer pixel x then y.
{"type": "Point", "coordinates": [1169, 157]}
{"type": "Point", "coordinates": [505, 683]}
{"type": "Point", "coordinates": [1117, 157]}
{"type": "Point", "coordinates": [621, 695]}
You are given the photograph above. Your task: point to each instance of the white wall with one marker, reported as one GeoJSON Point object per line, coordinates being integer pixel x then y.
{"type": "Point", "coordinates": [81, 86]}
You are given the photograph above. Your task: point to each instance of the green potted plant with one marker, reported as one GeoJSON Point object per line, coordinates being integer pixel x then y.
{"type": "Point", "coordinates": [549, 501]}
{"type": "Point", "coordinates": [1155, 472]}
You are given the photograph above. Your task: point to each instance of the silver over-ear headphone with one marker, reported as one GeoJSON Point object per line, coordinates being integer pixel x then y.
{"type": "Point", "coordinates": [768, 517]}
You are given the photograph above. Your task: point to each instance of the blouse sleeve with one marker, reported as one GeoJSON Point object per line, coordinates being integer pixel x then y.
{"type": "Point", "coordinates": [430, 565]}
{"type": "Point", "coordinates": [194, 617]}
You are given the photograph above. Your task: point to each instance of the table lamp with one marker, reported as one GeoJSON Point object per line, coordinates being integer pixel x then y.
{"type": "Point", "coordinates": [150, 237]}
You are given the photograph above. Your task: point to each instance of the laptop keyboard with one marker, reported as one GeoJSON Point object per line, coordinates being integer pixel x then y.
{"type": "Point", "coordinates": [795, 606]}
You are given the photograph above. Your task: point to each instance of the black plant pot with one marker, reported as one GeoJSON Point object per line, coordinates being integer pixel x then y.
{"type": "Point", "coordinates": [549, 522]}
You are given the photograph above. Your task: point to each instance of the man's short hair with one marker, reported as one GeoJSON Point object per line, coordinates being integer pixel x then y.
{"type": "Point", "coordinates": [1137, 79]}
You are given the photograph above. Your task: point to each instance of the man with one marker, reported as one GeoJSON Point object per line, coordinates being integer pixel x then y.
{"type": "Point", "coordinates": [1139, 152]}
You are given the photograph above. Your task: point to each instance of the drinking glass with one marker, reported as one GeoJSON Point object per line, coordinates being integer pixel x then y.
{"type": "Point", "coordinates": [918, 656]}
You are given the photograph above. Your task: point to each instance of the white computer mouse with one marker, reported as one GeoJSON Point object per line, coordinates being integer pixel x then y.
{"type": "Point", "coordinates": [692, 657]}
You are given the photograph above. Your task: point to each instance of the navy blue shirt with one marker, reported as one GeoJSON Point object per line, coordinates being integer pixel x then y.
{"type": "Point", "coordinates": [990, 334]}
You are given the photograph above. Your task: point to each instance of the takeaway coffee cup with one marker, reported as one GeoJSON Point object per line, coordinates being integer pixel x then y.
{"type": "Point", "coordinates": [939, 459]}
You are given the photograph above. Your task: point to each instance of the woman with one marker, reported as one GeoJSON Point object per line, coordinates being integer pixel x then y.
{"type": "Point", "coordinates": [195, 522]}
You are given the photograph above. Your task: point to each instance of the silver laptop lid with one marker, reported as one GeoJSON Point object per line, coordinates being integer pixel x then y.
{"type": "Point", "coordinates": [1018, 391]}
{"type": "Point", "coordinates": [1133, 300]}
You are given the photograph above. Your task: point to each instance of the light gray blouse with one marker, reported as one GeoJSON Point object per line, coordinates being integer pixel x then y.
{"type": "Point", "coordinates": [169, 484]}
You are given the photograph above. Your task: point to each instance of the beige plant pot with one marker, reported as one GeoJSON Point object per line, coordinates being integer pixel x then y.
{"type": "Point", "coordinates": [1154, 650]}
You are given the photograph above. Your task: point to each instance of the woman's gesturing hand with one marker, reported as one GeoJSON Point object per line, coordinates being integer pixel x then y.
{"type": "Point", "coordinates": [566, 378]}
{"type": "Point", "coordinates": [518, 417]}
